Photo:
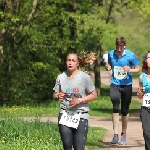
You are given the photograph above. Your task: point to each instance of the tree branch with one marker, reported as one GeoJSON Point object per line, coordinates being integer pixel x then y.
{"type": "Point", "coordinates": [27, 20]}
{"type": "Point", "coordinates": [109, 11]}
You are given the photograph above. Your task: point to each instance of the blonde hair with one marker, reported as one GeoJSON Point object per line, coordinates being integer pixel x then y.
{"type": "Point", "coordinates": [85, 59]}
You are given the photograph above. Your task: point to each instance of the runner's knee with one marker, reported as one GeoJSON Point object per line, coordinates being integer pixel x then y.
{"type": "Point", "coordinates": [124, 113]}
{"type": "Point", "coordinates": [115, 110]}
{"type": "Point", "coordinates": [116, 107]}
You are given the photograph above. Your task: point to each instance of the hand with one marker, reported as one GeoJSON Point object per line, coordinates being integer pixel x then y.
{"type": "Point", "coordinates": [140, 92]}
{"type": "Point", "coordinates": [108, 67]}
{"type": "Point", "coordinates": [141, 89]}
{"type": "Point", "coordinates": [74, 101]}
{"type": "Point", "coordinates": [126, 68]}
{"type": "Point", "coordinates": [60, 95]}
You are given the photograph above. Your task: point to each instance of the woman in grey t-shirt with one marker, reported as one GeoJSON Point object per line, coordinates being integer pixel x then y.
{"type": "Point", "coordinates": [74, 89]}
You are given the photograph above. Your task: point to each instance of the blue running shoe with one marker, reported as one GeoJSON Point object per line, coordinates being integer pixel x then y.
{"type": "Point", "coordinates": [115, 139]}
{"type": "Point", "coordinates": [123, 139]}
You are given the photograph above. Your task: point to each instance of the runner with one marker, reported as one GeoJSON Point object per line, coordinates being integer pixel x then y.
{"type": "Point", "coordinates": [144, 63]}
{"type": "Point", "coordinates": [144, 94]}
{"type": "Point", "coordinates": [74, 89]}
{"type": "Point", "coordinates": [105, 58]}
{"type": "Point", "coordinates": [122, 62]}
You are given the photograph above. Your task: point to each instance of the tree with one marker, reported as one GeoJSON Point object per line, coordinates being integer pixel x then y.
{"type": "Point", "coordinates": [15, 16]}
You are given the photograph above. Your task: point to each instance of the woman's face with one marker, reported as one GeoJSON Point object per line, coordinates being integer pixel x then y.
{"type": "Point", "coordinates": [148, 60]}
{"type": "Point", "coordinates": [72, 62]}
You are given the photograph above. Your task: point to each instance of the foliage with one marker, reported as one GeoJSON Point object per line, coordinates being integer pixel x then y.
{"type": "Point", "coordinates": [41, 33]}
{"type": "Point", "coordinates": [130, 25]}
{"type": "Point", "coordinates": [37, 35]}
{"type": "Point", "coordinates": [101, 107]}
{"type": "Point", "coordinates": [143, 7]}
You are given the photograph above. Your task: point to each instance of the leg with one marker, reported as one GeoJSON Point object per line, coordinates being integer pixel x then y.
{"type": "Point", "coordinates": [66, 135]}
{"type": "Point", "coordinates": [80, 135]}
{"type": "Point", "coordinates": [115, 120]}
{"type": "Point", "coordinates": [124, 120]}
{"type": "Point", "coordinates": [115, 98]}
{"type": "Point", "coordinates": [126, 95]}
{"type": "Point", "coordinates": [145, 118]}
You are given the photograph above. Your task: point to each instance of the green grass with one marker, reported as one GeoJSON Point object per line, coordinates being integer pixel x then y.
{"type": "Point", "coordinates": [16, 134]}
{"type": "Point", "coordinates": [136, 76]}
{"type": "Point", "coordinates": [102, 107]}
{"type": "Point", "coordinates": [102, 68]}
{"type": "Point", "coordinates": [49, 110]}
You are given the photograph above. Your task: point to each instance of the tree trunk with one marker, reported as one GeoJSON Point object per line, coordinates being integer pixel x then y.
{"type": "Point", "coordinates": [1, 60]}
{"type": "Point", "coordinates": [97, 70]}
{"type": "Point", "coordinates": [97, 63]}
{"type": "Point", "coordinates": [8, 72]}
{"type": "Point", "coordinates": [73, 30]}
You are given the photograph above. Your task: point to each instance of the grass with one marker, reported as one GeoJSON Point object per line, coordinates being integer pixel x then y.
{"type": "Point", "coordinates": [136, 76]}
{"type": "Point", "coordinates": [17, 134]}
{"type": "Point", "coordinates": [102, 107]}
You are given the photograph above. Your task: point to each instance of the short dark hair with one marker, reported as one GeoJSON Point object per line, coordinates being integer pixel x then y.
{"type": "Point", "coordinates": [120, 41]}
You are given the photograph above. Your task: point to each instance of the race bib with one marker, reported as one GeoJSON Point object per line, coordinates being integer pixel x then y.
{"type": "Point", "coordinates": [70, 119]}
{"type": "Point", "coordinates": [146, 100]}
{"type": "Point", "coordinates": [119, 72]}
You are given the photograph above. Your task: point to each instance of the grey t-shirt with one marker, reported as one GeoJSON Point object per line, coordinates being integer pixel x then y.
{"type": "Point", "coordinates": [77, 87]}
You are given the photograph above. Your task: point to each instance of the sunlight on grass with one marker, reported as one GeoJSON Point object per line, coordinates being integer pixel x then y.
{"type": "Point", "coordinates": [50, 109]}
{"type": "Point", "coordinates": [17, 134]}
{"type": "Point", "coordinates": [102, 107]}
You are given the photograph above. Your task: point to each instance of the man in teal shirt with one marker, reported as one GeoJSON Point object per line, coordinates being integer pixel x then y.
{"type": "Point", "coordinates": [122, 63]}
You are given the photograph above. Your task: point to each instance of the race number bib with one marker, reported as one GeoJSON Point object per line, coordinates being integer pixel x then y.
{"type": "Point", "coordinates": [70, 119]}
{"type": "Point", "coordinates": [119, 72]}
{"type": "Point", "coordinates": [146, 100]}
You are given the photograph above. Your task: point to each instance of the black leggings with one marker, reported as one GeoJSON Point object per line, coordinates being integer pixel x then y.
{"type": "Point", "coordinates": [145, 118]}
{"type": "Point", "coordinates": [74, 137]}
{"type": "Point", "coordinates": [125, 93]}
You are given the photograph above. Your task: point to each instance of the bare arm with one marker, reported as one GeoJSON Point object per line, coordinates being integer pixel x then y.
{"type": "Point", "coordinates": [140, 89]}
{"type": "Point", "coordinates": [92, 96]}
{"type": "Point", "coordinates": [136, 69]}
{"type": "Point", "coordinates": [109, 69]}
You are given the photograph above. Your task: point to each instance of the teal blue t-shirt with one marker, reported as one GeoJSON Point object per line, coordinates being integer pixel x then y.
{"type": "Point", "coordinates": [145, 83]}
{"type": "Point", "coordinates": [119, 77]}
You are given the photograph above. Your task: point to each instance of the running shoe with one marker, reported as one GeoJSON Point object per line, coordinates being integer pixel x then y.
{"type": "Point", "coordinates": [123, 139]}
{"type": "Point", "coordinates": [115, 139]}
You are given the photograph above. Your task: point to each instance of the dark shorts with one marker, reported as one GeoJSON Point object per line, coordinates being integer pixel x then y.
{"type": "Point", "coordinates": [123, 94]}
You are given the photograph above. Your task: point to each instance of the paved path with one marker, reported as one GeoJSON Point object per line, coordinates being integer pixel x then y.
{"type": "Point", "coordinates": [135, 139]}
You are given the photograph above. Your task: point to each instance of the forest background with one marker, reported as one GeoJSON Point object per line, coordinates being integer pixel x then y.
{"type": "Point", "coordinates": [36, 36]}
